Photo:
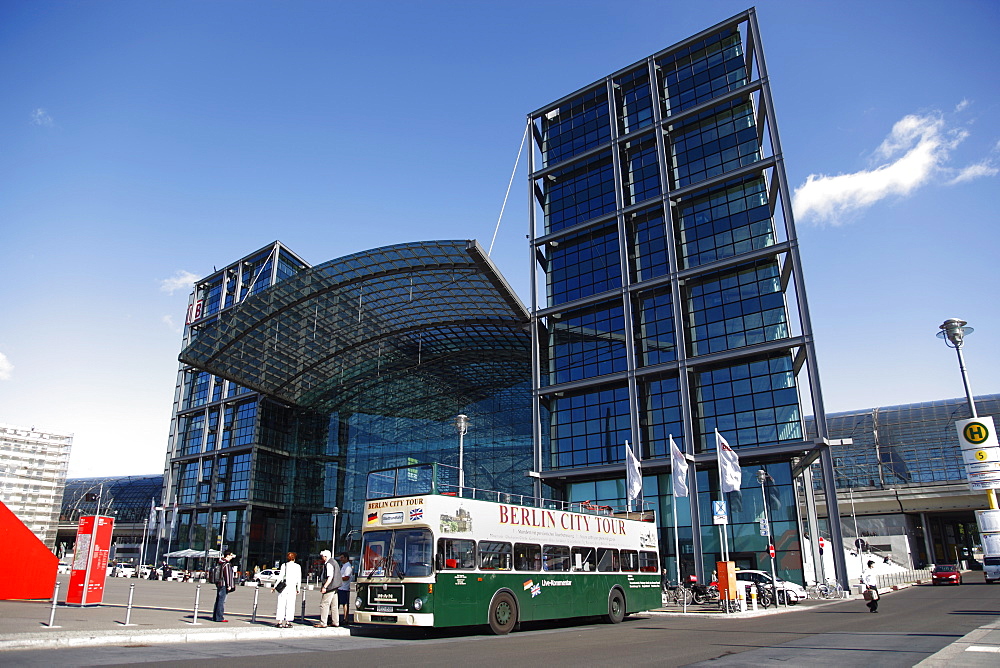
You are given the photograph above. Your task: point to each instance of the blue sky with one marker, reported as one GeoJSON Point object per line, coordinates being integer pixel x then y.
{"type": "Point", "coordinates": [142, 142]}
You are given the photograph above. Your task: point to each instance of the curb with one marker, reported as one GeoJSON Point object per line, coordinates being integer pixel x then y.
{"type": "Point", "coordinates": [123, 638]}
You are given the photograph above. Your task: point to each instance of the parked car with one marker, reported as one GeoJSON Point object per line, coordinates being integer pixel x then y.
{"type": "Point", "coordinates": [991, 569]}
{"type": "Point", "coordinates": [790, 590]}
{"type": "Point", "coordinates": [946, 574]}
{"type": "Point", "coordinates": [123, 571]}
{"type": "Point", "coordinates": [63, 568]}
{"type": "Point", "coordinates": [268, 576]}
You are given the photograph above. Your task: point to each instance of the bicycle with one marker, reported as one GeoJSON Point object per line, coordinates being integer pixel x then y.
{"type": "Point", "coordinates": [678, 594]}
{"type": "Point", "coordinates": [825, 590]}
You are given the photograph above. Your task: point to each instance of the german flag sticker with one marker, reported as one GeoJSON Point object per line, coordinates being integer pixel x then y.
{"type": "Point", "coordinates": [372, 518]}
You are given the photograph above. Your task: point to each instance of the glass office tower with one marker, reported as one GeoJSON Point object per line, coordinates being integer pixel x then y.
{"type": "Point", "coordinates": [297, 380]}
{"type": "Point", "coordinates": [668, 298]}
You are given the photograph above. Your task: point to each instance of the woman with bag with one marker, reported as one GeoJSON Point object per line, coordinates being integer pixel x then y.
{"type": "Point", "coordinates": [870, 581]}
{"type": "Point", "coordinates": [288, 587]}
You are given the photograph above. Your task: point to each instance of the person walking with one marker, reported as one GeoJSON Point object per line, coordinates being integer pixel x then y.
{"type": "Point", "coordinates": [344, 590]}
{"type": "Point", "coordinates": [870, 581]}
{"type": "Point", "coordinates": [328, 592]}
{"type": "Point", "coordinates": [224, 584]}
{"type": "Point", "coordinates": [291, 576]}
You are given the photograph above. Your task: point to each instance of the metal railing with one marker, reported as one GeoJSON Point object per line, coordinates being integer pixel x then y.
{"type": "Point", "coordinates": [902, 577]}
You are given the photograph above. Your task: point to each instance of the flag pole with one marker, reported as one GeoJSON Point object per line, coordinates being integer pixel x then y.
{"type": "Point", "coordinates": [722, 497]}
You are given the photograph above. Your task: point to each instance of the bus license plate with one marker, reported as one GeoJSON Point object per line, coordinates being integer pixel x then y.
{"type": "Point", "coordinates": [383, 608]}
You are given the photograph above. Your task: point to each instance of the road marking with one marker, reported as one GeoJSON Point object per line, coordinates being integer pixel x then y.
{"type": "Point", "coordinates": [983, 648]}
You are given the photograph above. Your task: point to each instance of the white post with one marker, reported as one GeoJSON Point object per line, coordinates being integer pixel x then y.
{"type": "Point", "coordinates": [333, 534]}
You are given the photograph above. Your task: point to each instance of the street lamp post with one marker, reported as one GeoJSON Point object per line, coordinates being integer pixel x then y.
{"type": "Point", "coordinates": [953, 332]}
{"type": "Point", "coordinates": [462, 426]}
{"type": "Point", "coordinates": [762, 477]}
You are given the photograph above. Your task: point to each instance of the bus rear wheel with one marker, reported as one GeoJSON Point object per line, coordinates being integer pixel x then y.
{"type": "Point", "coordinates": [503, 613]}
{"type": "Point", "coordinates": [616, 607]}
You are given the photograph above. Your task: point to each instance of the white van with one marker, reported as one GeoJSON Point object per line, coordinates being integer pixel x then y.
{"type": "Point", "coordinates": [991, 569]}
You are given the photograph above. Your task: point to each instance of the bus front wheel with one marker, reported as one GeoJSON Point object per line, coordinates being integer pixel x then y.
{"type": "Point", "coordinates": [616, 607]}
{"type": "Point", "coordinates": [503, 613]}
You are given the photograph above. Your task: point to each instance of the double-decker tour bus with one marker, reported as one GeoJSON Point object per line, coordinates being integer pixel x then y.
{"type": "Point", "coordinates": [434, 554]}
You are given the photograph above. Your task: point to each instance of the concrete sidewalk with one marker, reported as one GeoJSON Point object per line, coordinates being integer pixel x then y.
{"type": "Point", "coordinates": [162, 612]}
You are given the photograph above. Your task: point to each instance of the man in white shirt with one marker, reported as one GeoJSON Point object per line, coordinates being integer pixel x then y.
{"type": "Point", "coordinates": [328, 591]}
{"type": "Point", "coordinates": [344, 590]}
{"type": "Point", "coordinates": [870, 580]}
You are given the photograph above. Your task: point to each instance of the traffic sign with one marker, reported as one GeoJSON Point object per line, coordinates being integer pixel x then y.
{"type": "Point", "coordinates": [822, 542]}
{"type": "Point", "coordinates": [719, 515]}
{"type": "Point", "coordinates": [983, 484]}
{"type": "Point", "coordinates": [982, 467]}
{"type": "Point", "coordinates": [977, 455]}
{"type": "Point", "coordinates": [770, 551]}
{"type": "Point", "coordinates": [977, 433]}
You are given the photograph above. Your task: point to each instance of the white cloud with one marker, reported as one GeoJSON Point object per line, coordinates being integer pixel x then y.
{"type": "Point", "coordinates": [915, 154]}
{"type": "Point", "coordinates": [974, 171]}
{"type": "Point", "coordinates": [40, 117]}
{"type": "Point", "coordinates": [168, 320]}
{"type": "Point", "coordinates": [962, 105]}
{"type": "Point", "coordinates": [6, 368]}
{"type": "Point", "coordinates": [181, 280]}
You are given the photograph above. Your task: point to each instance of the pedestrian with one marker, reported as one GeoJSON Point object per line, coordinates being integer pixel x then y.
{"type": "Point", "coordinates": [870, 581]}
{"type": "Point", "coordinates": [224, 584]}
{"type": "Point", "coordinates": [328, 591]}
{"type": "Point", "coordinates": [344, 590]}
{"type": "Point", "coordinates": [291, 576]}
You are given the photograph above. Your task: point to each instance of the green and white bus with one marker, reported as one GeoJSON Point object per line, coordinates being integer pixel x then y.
{"type": "Point", "coordinates": [437, 555]}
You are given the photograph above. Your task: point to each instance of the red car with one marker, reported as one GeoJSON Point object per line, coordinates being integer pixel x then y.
{"type": "Point", "coordinates": [946, 574]}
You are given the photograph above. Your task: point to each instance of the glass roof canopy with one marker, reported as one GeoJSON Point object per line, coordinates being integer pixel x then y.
{"type": "Point", "coordinates": [414, 330]}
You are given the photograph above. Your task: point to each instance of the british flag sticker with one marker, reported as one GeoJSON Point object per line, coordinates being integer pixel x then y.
{"type": "Point", "coordinates": [416, 514]}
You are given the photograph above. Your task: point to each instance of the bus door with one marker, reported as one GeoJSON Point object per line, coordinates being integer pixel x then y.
{"type": "Point", "coordinates": [457, 590]}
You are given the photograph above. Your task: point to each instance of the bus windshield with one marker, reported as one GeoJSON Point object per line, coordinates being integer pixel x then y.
{"type": "Point", "coordinates": [397, 553]}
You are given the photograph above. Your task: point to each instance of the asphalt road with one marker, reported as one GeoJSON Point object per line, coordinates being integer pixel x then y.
{"type": "Point", "coordinates": [912, 624]}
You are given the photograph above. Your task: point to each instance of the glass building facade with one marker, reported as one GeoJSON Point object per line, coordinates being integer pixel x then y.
{"type": "Point", "coordinates": [129, 499]}
{"type": "Point", "coordinates": [297, 380]}
{"type": "Point", "coordinates": [668, 298]}
{"type": "Point", "coordinates": [902, 482]}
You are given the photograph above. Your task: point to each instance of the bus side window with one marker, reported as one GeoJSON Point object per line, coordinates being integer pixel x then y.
{"type": "Point", "coordinates": [527, 557]}
{"type": "Point", "coordinates": [607, 559]}
{"type": "Point", "coordinates": [630, 561]}
{"type": "Point", "coordinates": [494, 556]}
{"type": "Point", "coordinates": [584, 559]}
{"type": "Point", "coordinates": [555, 558]}
{"type": "Point", "coordinates": [456, 554]}
{"type": "Point", "coordinates": [647, 562]}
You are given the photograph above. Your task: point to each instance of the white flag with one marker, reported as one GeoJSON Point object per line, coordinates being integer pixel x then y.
{"type": "Point", "coordinates": [678, 470]}
{"type": "Point", "coordinates": [173, 518]}
{"type": "Point", "coordinates": [730, 475]}
{"type": "Point", "coordinates": [152, 513]}
{"type": "Point", "coordinates": [633, 477]}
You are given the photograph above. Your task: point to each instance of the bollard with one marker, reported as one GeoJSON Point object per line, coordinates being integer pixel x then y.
{"type": "Point", "coordinates": [52, 613]}
{"type": "Point", "coordinates": [128, 610]}
{"type": "Point", "coordinates": [253, 615]}
{"type": "Point", "coordinates": [303, 607]}
{"type": "Point", "coordinates": [197, 599]}
{"type": "Point", "coordinates": [753, 598]}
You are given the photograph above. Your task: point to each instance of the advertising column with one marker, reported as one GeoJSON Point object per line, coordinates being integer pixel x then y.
{"type": "Point", "coordinates": [90, 560]}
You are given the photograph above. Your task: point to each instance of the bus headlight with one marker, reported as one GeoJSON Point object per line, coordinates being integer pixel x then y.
{"type": "Point", "coordinates": [418, 603]}
{"type": "Point", "coordinates": [359, 604]}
